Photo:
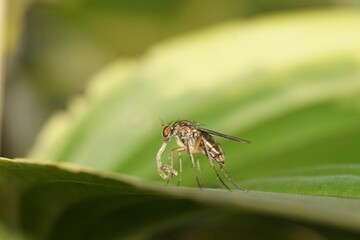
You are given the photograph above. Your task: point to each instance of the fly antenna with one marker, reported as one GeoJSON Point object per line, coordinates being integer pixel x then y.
{"type": "Point", "coordinates": [161, 122]}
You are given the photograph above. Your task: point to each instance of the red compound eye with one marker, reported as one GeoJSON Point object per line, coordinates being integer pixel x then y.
{"type": "Point", "coordinates": [166, 131]}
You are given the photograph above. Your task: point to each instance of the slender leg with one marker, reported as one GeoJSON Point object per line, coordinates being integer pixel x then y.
{"type": "Point", "coordinates": [180, 169]}
{"type": "Point", "coordinates": [229, 178]}
{"type": "Point", "coordinates": [171, 160]}
{"type": "Point", "coordinates": [198, 167]}
{"type": "Point", "coordinates": [179, 150]}
{"type": "Point", "coordinates": [214, 168]}
{"type": "Point", "coordinates": [194, 168]}
{"type": "Point", "coordinates": [217, 174]}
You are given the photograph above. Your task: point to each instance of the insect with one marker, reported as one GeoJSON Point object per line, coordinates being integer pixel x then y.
{"type": "Point", "coordinates": [192, 138]}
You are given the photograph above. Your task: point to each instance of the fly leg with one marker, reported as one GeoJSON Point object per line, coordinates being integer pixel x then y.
{"type": "Point", "coordinates": [196, 150]}
{"type": "Point", "coordinates": [171, 160]}
{"type": "Point", "coordinates": [217, 174]}
{"type": "Point", "coordinates": [179, 150]}
{"type": "Point", "coordinates": [196, 167]}
{"type": "Point", "coordinates": [214, 168]}
{"type": "Point", "coordinates": [229, 178]}
{"type": "Point", "coordinates": [180, 169]}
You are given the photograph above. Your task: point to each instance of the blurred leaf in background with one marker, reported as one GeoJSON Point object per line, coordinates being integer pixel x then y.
{"type": "Point", "coordinates": [54, 47]}
{"type": "Point", "coordinates": [288, 81]}
{"type": "Point", "coordinates": [295, 97]}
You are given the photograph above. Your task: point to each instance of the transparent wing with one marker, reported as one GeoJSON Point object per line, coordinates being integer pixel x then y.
{"type": "Point", "coordinates": [224, 135]}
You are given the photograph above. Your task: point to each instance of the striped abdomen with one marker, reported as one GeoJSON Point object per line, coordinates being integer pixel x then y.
{"type": "Point", "coordinates": [210, 146]}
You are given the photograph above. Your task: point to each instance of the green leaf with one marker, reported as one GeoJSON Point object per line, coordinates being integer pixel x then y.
{"type": "Point", "coordinates": [64, 201]}
{"type": "Point", "coordinates": [289, 83]}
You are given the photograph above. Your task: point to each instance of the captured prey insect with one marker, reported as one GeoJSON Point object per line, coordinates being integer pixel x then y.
{"type": "Point", "coordinates": [192, 138]}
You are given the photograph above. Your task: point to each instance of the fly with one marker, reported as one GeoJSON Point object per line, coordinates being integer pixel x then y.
{"type": "Point", "coordinates": [192, 138]}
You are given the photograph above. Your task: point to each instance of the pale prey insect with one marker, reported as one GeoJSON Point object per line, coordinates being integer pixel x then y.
{"type": "Point", "coordinates": [192, 138]}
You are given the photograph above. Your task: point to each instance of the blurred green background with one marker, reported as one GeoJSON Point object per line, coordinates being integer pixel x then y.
{"type": "Point", "coordinates": [54, 47]}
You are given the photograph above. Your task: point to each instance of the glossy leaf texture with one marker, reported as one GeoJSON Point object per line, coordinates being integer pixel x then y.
{"type": "Point", "coordinates": [64, 201]}
{"type": "Point", "coordinates": [289, 83]}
